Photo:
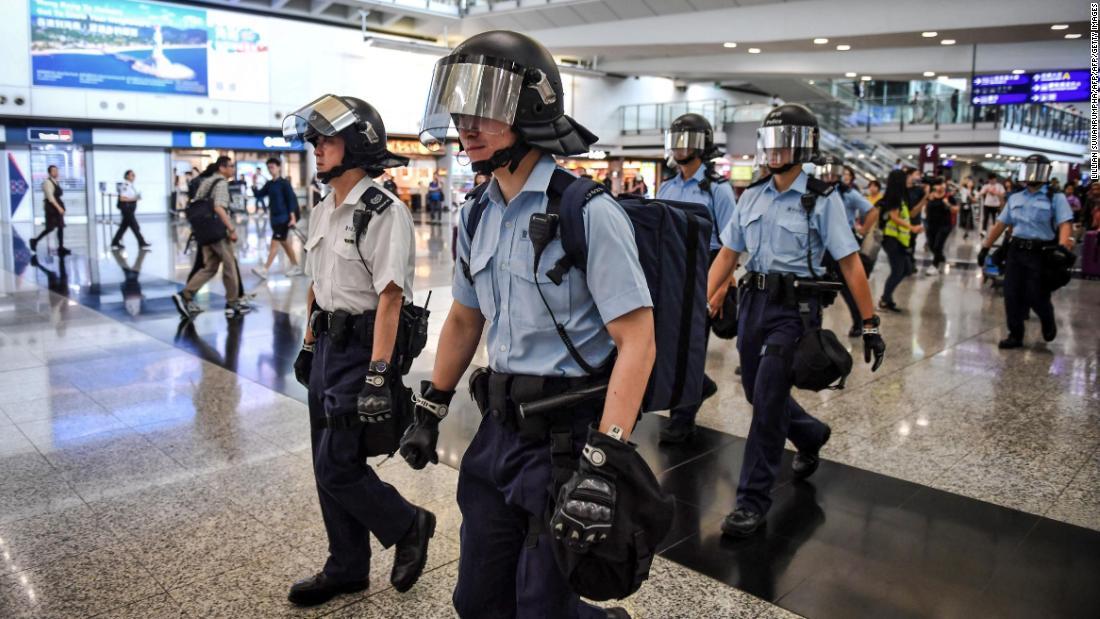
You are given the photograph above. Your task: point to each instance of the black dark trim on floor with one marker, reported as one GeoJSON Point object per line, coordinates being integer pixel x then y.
{"type": "Point", "coordinates": [846, 543]}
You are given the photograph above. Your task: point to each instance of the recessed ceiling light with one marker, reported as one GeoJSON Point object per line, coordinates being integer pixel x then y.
{"type": "Point", "coordinates": [1017, 71]}
{"type": "Point", "coordinates": [865, 78]}
{"type": "Point", "coordinates": [843, 48]}
{"type": "Point", "coordinates": [754, 50]}
{"type": "Point", "coordinates": [989, 155]}
{"type": "Point", "coordinates": [745, 157]}
{"type": "Point", "coordinates": [929, 34]}
{"type": "Point", "coordinates": [943, 77]}
{"type": "Point", "coordinates": [930, 74]}
{"type": "Point", "coordinates": [947, 42]}
{"type": "Point", "coordinates": [820, 41]}
{"type": "Point", "coordinates": [849, 74]}
{"type": "Point", "coordinates": [1059, 27]}
{"type": "Point", "coordinates": [1073, 36]}
{"type": "Point", "coordinates": [729, 44]}
{"type": "Point", "coordinates": [811, 82]}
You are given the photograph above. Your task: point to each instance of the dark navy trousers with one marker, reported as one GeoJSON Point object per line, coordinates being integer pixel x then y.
{"type": "Point", "coordinates": [355, 503]}
{"type": "Point", "coordinates": [503, 487]}
{"type": "Point", "coordinates": [776, 416]}
{"type": "Point", "coordinates": [1024, 290]}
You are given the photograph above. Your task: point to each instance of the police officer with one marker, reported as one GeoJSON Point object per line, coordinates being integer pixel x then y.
{"type": "Point", "coordinates": [503, 92]}
{"type": "Point", "coordinates": [842, 177]}
{"type": "Point", "coordinates": [1037, 219]}
{"type": "Point", "coordinates": [360, 261]}
{"type": "Point", "coordinates": [690, 143]}
{"type": "Point", "coordinates": [786, 238]}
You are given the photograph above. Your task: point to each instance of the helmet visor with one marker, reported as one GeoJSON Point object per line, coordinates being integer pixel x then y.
{"type": "Point", "coordinates": [475, 93]}
{"type": "Point", "coordinates": [782, 144]}
{"type": "Point", "coordinates": [328, 115]}
{"type": "Point", "coordinates": [1033, 172]}
{"type": "Point", "coordinates": [830, 170]}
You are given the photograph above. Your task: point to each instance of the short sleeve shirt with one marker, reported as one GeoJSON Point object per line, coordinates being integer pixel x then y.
{"type": "Point", "coordinates": [1029, 213]}
{"type": "Point", "coordinates": [719, 199]}
{"type": "Point", "coordinates": [350, 276]}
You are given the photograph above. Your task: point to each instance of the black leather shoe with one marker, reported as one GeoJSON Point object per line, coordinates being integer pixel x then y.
{"type": "Point", "coordinates": [709, 388]}
{"type": "Point", "coordinates": [1010, 342]}
{"type": "Point", "coordinates": [677, 432]}
{"type": "Point", "coordinates": [1051, 333]}
{"type": "Point", "coordinates": [617, 612]}
{"type": "Point", "coordinates": [319, 588]}
{"type": "Point", "coordinates": [805, 462]}
{"type": "Point", "coordinates": [34, 246]}
{"type": "Point", "coordinates": [742, 523]}
{"type": "Point", "coordinates": [411, 553]}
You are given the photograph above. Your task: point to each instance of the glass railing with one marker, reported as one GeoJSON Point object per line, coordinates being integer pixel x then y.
{"type": "Point", "coordinates": [656, 117]}
{"type": "Point", "coordinates": [448, 8]}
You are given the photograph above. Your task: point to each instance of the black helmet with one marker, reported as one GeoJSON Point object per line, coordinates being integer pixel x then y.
{"type": "Point", "coordinates": [1034, 170]}
{"type": "Point", "coordinates": [354, 120]}
{"type": "Point", "coordinates": [830, 168]}
{"type": "Point", "coordinates": [690, 136]}
{"type": "Point", "coordinates": [788, 136]}
{"type": "Point", "coordinates": [502, 79]}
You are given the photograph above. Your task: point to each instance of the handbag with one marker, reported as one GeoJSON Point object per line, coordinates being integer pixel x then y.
{"type": "Point", "coordinates": [872, 244]}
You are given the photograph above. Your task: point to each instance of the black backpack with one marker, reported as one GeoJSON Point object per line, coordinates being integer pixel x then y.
{"type": "Point", "coordinates": [206, 226]}
{"type": "Point", "coordinates": [673, 240]}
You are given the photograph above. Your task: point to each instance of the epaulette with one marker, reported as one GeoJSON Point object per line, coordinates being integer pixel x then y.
{"type": "Point", "coordinates": [711, 177]}
{"type": "Point", "coordinates": [376, 199]}
{"type": "Point", "coordinates": [760, 181]}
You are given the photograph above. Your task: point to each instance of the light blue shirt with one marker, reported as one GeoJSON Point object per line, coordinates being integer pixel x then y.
{"type": "Point", "coordinates": [1030, 217]}
{"type": "Point", "coordinates": [522, 338]}
{"type": "Point", "coordinates": [855, 205]}
{"type": "Point", "coordinates": [772, 228]}
{"type": "Point", "coordinates": [720, 200]}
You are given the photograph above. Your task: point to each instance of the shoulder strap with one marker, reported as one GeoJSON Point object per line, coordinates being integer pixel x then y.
{"type": "Point", "coordinates": [477, 210]}
{"type": "Point", "coordinates": [819, 187]}
{"type": "Point", "coordinates": [375, 200]}
{"type": "Point", "coordinates": [815, 188]}
{"type": "Point", "coordinates": [568, 196]}
{"type": "Point", "coordinates": [710, 179]}
{"type": "Point", "coordinates": [760, 181]}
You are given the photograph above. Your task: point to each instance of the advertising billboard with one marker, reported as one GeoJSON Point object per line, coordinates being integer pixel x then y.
{"type": "Point", "coordinates": [1061, 86]}
{"type": "Point", "coordinates": [147, 47]}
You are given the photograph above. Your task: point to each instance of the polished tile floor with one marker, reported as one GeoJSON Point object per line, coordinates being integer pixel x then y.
{"type": "Point", "coordinates": [149, 470]}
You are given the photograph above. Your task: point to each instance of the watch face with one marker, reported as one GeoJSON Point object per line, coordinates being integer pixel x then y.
{"type": "Point", "coordinates": [379, 366]}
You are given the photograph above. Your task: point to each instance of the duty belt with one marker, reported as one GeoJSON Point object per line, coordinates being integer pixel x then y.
{"type": "Point", "coordinates": [1028, 244]}
{"type": "Point", "coordinates": [503, 397]}
{"type": "Point", "coordinates": [341, 325]}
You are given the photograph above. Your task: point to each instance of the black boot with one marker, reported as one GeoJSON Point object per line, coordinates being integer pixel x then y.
{"type": "Point", "coordinates": [742, 523]}
{"type": "Point", "coordinates": [319, 588]}
{"type": "Point", "coordinates": [1011, 342]}
{"type": "Point", "coordinates": [411, 553]}
{"type": "Point", "coordinates": [1050, 333]}
{"type": "Point", "coordinates": [805, 462]}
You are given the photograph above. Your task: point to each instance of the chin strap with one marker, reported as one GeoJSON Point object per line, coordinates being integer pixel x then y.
{"type": "Point", "coordinates": [781, 169]}
{"type": "Point", "coordinates": [510, 157]}
{"type": "Point", "coordinates": [688, 160]}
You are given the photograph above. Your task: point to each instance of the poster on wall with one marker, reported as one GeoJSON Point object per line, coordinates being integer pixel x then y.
{"type": "Point", "coordinates": [147, 47]}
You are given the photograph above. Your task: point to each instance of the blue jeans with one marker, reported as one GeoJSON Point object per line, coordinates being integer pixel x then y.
{"type": "Point", "coordinates": [898, 256]}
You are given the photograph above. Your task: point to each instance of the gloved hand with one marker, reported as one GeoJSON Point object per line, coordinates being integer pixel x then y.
{"type": "Point", "coordinates": [585, 509]}
{"type": "Point", "coordinates": [982, 255]}
{"type": "Point", "coordinates": [303, 364]}
{"type": "Point", "coordinates": [375, 403]}
{"type": "Point", "coordinates": [873, 343]}
{"type": "Point", "coordinates": [418, 443]}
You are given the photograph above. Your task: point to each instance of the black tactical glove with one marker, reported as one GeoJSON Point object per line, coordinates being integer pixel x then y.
{"type": "Point", "coordinates": [418, 443]}
{"type": "Point", "coordinates": [303, 364]}
{"type": "Point", "coordinates": [872, 343]}
{"type": "Point", "coordinates": [982, 255]}
{"type": "Point", "coordinates": [585, 508]}
{"type": "Point", "coordinates": [375, 403]}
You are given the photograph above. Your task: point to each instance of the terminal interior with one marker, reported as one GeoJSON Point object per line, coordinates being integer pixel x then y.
{"type": "Point", "coordinates": [158, 467]}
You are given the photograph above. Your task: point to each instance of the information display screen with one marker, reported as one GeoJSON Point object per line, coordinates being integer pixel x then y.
{"type": "Point", "coordinates": [147, 47]}
{"type": "Point", "coordinates": [1061, 86]}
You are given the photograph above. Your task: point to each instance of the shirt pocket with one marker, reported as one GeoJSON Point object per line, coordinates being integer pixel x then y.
{"type": "Point", "coordinates": [1036, 213]}
{"type": "Point", "coordinates": [481, 272]}
{"type": "Point", "coordinates": [527, 308]}
{"type": "Point", "coordinates": [349, 271]}
{"type": "Point", "coordinates": [791, 236]}
{"type": "Point", "coordinates": [753, 231]}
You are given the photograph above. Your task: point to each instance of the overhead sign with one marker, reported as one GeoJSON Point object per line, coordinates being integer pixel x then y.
{"type": "Point", "coordinates": [226, 140]}
{"type": "Point", "coordinates": [1038, 87]}
{"type": "Point", "coordinates": [411, 147]}
{"type": "Point", "coordinates": [49, 134]}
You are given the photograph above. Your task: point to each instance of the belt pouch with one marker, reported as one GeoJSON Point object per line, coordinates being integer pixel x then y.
{"type": "Point", "coordinates": [479, 389]}
{"type": "Point", "coordinates": [337, 327]}
{"type": "Point", "coordinates": [529, 389]}
{"type": "Point", "coordinates": [774, 287]}
{"type": "Point", "coordinates": [364, 333]}
{"type": "Point", "coordinates": [499, 407]}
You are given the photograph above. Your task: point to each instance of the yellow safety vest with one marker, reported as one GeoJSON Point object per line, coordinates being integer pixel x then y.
{"type": "Point", "coordinates": [896, 231]}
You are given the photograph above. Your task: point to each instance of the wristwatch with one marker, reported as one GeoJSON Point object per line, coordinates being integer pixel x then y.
{"type": "Point", "coordinates": [870, 325]}
{"type": "Point", "coordinates": [378, 367]}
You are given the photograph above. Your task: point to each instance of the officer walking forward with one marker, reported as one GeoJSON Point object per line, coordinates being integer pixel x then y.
{"type": "Point", "coordinates": [503, 92]}
{"type": "Point", "coordinates": [786, 237]}
{"type": "Point", "coordinates": [361, 262]}
{"type": "Point", "coordinates": [690, 142]}
{"type": "Point", "coordinates": [1039, 220]}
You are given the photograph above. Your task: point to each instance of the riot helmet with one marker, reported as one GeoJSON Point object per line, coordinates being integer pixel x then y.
{"type": "Point", "coordinates": [688, 137]}
{"type": "Point", "coordinates": [354, 120]}
{"type": "Point", "coordinates": [502, 80]}
{"type": "Point", "coordinates": [788, 136]}
{"type": "Point", "coordinates": [831, 168]}
{"type": "Point", "coordinates": [1034, 170]}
